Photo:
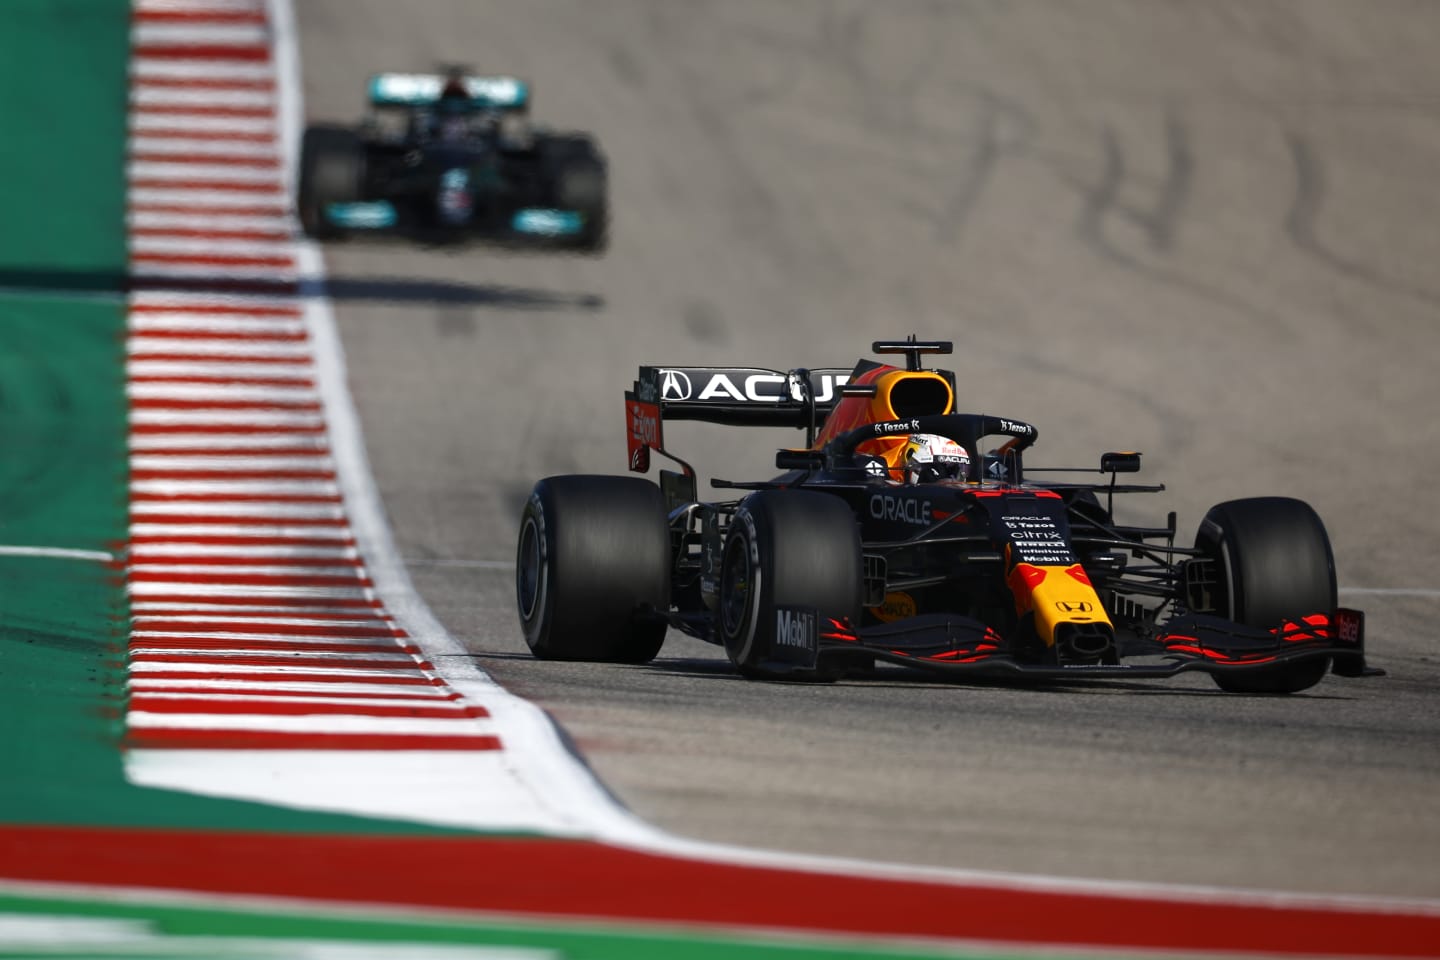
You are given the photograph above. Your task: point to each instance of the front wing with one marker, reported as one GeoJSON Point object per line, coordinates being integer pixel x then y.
{"type": "Point", "coordinates": [380, 217]}
{"type": "Point", "coordinates": [962, 647]}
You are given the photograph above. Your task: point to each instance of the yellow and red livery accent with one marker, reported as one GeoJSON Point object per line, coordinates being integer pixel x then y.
{"type": "Point", "coordinates": [899, 394]}
{"type": "Point", "coordinates": [1055, 594]}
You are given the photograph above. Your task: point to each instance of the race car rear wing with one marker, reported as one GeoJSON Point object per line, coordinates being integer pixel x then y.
{"type": "Point", "coordinates": [751, 396]}
{"type": "Point", "coordinates": [736, 396]}
{"type": "Point", "coordinates": [423, 90]}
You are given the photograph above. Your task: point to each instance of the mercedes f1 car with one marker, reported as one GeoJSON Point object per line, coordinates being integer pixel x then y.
{"type": "Point", "coordinates": [444, 158]}
{"type": "Point", "coordinates": [853, 556]}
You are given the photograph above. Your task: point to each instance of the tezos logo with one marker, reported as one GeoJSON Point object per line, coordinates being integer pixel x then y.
{"type": "Point", "coordinates": [1014, 427]}
{"type": "Point", "coordinates": [794, 628]}
{"type": "Point", "coordinates": [909, 426]}
{"type": "Point", "coordinates": [674, 385]}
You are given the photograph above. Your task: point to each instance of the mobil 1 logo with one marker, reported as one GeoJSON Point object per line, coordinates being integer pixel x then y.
{"type": "Point", "coordinates": [796, 641]}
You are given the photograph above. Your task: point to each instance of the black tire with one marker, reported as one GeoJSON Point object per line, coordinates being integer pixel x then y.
{"type": "Point", "coordinates": [577, 179]}
{"type": "Point", "coordinates": [332, 170]}
{"type": "Point", "coordinates": [785, 548]}
{"type": "Point", "coordinates": [1273, 562]}
{"type": "Point", "coordinates": [592, 570]}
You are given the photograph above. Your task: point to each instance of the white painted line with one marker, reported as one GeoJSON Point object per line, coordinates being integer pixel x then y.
{"type": "Point", "coordinates": [222, 392]}
{"type": "Point", "coordinates": [143, 68]}
{"type": "Point", "coordinates": [171, 625]}
{"type": "Point", "coordinates": [180, 369]}
{"type": "Point", "coordinates": [1422, 592]}
{"type": "Point", "coordinates": [57, 553]}
{"type": "Point", "coordinates": [153, 322]}
{"type": "Point", "coordinates": [172, 616]}
{"type": "Point", "coordinates": [204, 197]}
{"type": "Point", "coordinates": [256, 462]}
{"type": "Point", "coordinates": [277, 512]}
{"type": "Point", "coordinates": [161, 696]}
{"type": "Point", "coordinates": [199, 6]}
{"type": "Point", "coordinates": [241, 489]}
{"type": "Point", "coordinates": [409, 693]}
{"type": "Point", "coordinates": [201, 228]}
{"type": "Point", "coordinates": [210, 247]}
{"type": "Point", "coordinates": [279, 531]}
{"type": "Point", "coordinates": [170, 195]}
{"type": "Point", "coordinates": [184, 35]}
{"type": "Point", "coordinates": [242, 633]}
{"type": "Point", "coordinates": [294, 352]}
{"type": "Point", "coordinates": [239, 671]}
{"type": "Point", "coordinates": [192, 172]}
{"type": "Point", "coordinates": [203, 590]}
{"type": "Point", "coordinates": [312, 723]}
{"type": "Point", "coordinates": [199, 146]}
{"type": "Point", "coordinates": [145, 95]}
{"type": "Point", "coordinates": [384, 652]}
{"type": "Point", "coordinates": [185, 571]}
{"type": "Point", "coordinates": [200, 123]}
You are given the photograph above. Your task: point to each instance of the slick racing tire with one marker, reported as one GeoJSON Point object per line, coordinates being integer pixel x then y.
{"type": "Point", "coordinates": [332, 170]}
{"type": "Point", "coordinates": [788, 554]}
{"type": "Point", "coordinates": [577, 179]}
{"type": "Point", "coordinates": [592, 569]}
{"type": "Point", "coordinates": [1274, 563]}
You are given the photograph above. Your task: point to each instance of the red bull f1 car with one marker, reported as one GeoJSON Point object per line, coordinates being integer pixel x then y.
{"type": "Point", "coordinates": [905, 532]}
{"type": "Point", "coordinates": [449, 157]}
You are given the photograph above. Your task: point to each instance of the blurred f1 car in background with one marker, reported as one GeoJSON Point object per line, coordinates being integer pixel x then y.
{"type": "Point", "coordinates": [895, 535]}
{"type": "Point", "coordinates": [449, 157]}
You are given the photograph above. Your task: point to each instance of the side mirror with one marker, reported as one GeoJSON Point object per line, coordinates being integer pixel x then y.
{"type": "Point", "coordinates": [799, 459]}
{"type": "Point", "coordinates": [1123, 462]}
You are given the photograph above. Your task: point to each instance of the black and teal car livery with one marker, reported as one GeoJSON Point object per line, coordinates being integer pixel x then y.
{"type": "Point", "coordinates": [452, 157]}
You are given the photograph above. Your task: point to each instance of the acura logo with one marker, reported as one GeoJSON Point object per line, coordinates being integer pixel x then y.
{"type": "Point", "coordinates": [1074, 606]}
{"type": "Point", "coordinates": [674, 385]}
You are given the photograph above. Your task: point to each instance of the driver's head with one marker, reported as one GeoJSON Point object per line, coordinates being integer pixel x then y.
{"type": "Point", "coordinates": [929, 457]}
{"type": "Point", "coordinates": [454, 96]}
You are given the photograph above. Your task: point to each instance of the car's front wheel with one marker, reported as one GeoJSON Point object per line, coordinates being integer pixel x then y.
{"type": "Point", "coordinates": [1274, 564]}
{"type": "Point", "coordinates": [592, 569]}
{"type": "Point", "coordinates": [791, 563]}
{"type": "Point", "coordinates": [578, 180]}
{"type": "Point", "coordinates": [332, 170]}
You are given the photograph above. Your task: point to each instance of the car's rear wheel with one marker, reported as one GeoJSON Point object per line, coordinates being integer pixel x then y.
{"type": "Point", "coordinates": [789, 554]}
{"type": "Point", "coordinates": [332, 170]}
{"type": "Point", "coordinates": [1274, 563]}
{"type": "Point", "coordinates": [578, 180]}
{"type": "Point", "coordinates": [592, 569]}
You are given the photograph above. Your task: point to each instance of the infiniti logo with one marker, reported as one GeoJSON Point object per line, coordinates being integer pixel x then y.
{"type": "Point", "coordinates": [674, 385]}
{"type": "Point", "coordinates": [1074, 606]}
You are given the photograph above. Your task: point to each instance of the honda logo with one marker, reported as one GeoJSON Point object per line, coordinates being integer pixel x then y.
{"type": "Point", "coordinates": [1074, 606]}
{"type": "Point", "coordinates": [674, 385]}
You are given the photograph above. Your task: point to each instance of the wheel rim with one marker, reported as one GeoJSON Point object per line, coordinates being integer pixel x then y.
{"type": "Point", "coordinates": [735, 588]}
{"type": "Point", "coordinates": [529, 570]}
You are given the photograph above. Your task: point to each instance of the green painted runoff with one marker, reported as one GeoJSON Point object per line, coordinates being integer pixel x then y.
{"type": "Point", "coordinates": [64, 617]}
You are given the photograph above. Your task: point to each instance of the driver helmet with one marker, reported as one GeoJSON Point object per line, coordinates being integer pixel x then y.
{"type": "Point", "coordinates": [454, 95]}
{"type": "Point", "coordinates": [929, 457]}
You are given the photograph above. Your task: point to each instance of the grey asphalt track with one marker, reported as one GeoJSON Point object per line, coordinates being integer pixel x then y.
{"type": "Point", "coordinates": [1206, 231]}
